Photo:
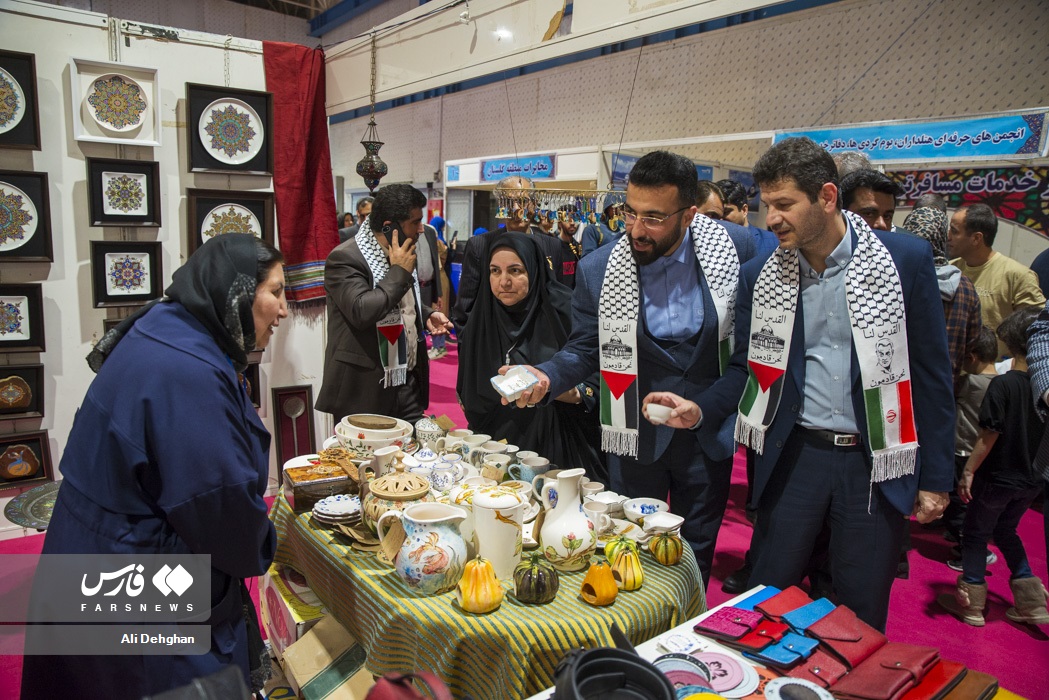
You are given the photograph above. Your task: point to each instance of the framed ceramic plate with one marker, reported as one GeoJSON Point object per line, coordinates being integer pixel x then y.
{"type": "Point", "coordinates": [123, 192]}
{"type": "Point", "coordinates": [214, 212]}
{"type": "Point", "coordinates": [21, 318]}
{"type": "Point", "coordinates": [125, 273]}
{"type": "Point", "coordinates": [25, 217]}
{"type": "Point", "coordinates": [116, 102]}
{"type": "Point", "coordinates": [230, 129]}
{"type": "Point", "coordinates": [21, 391]}
{"type": "Point", "coordinates": [25, 459]}
{"type": "Point", "coordinates": [19, 112]}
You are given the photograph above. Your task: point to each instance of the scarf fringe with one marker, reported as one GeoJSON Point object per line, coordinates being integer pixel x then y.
{"type": "Point", "coordinates": [750, 435]}
{"type": "Point", "coordinates": [619, 441]}
{"type": "Point", "coordinates": [395, 377]}
{"type": "Point", "coordinates": [894, 462]}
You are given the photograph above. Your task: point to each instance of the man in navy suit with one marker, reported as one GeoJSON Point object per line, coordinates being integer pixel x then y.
{"type": "Point", "coordinates": [677, 342]}
{"type": "Point", "coordinates": [815, 462]}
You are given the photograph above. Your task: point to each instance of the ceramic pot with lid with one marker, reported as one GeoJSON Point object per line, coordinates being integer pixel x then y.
{"type": "Point", "coordinates": [393, 491]}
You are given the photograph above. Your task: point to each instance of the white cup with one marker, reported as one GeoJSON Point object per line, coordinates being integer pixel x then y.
{"type": "Point", "coordinates": [592, 487]}
{"type": "Point", "coordinates": [597, 513]}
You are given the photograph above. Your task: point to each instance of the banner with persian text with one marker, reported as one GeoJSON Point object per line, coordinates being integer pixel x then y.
{"type": "Point", "coordinates": [1016, 194]}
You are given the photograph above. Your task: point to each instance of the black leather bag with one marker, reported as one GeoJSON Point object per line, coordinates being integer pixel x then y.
{"type": "Point", "coordinates": [610, 673]}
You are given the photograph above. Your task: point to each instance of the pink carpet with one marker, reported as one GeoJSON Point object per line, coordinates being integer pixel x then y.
{"type": "Point", "coordinates": [1018, 655]}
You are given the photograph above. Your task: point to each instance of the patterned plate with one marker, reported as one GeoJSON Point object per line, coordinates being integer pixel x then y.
{"type": "Point", "coordinates": [230, 218]}
{"type": "Point", "coordinates": [116, 102]}
{"type": "Point", "coordinates": [127, 273]}
{"type": "Point", "coordinates": [620, 527]}
{"type": "Point", "coordinates": [124, 194]}
{"type": "Point", "coordinates": [33, 508]}
{"type": "Point", "coordinates": [18, 217]}
{"type": "Point", "coordinates": [12, 102]}
{"type": "Point", "coordinates": [14, 319]}
{"type": "Point", "coordinates": [231, 131]}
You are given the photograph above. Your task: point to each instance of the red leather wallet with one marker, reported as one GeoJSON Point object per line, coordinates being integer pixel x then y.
{"type": "Point", "coordinates": [783, 602]}
{"type": "Point", "coordinates": [821, 668]}
{"type": "Point", "coordinates": [729, 623]}
{"type": "Point", "coordinates": [849, 637]}
{"type": "Point", "coordinates": [939, 681]}
{"type": "Point", "coordinates": [767, 632]}
{"type": "Point", "coordinates": [888, 673]}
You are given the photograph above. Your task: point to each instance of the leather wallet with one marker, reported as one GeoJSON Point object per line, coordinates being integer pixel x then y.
{"type": "Point", "coordinates": [821, 668]}
{"type": "Point", "coordinates": [888, 673]}
{"type": "Point", "coordinates": [974, 686]}
{"type": "Point", "coordinates": [849, 637]}
{"type": "Point", "coordinates": [764, 594]}
{"type": "Point", "coordinates": [783, 602]}
{"type": "Point", "coordinates": [786, 652]}
{"type": "Point", "coordinates": [806, 615]}
{"type": "Point", "coordinates": [767, 632]}
{"type": "Point", "coordinates": [729, 623]}
{"type": "Point", "coordinates": [939, 681]}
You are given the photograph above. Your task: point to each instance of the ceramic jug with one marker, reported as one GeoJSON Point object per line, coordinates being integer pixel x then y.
{"type": "Point", "coordinates": [446, 475]}
{"type": "Point", "coordinates": [428, 432]}
{"type": "Point", "coordinates": [567, 537]}
{"type": "Point", "coordinates": [498, 525]}
{"type": "Point", "coordinates": [433, 555]}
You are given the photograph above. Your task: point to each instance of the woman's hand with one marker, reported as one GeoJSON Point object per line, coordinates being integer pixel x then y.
{"type": "Point", "coordinates": [685, 414]}
{"type": "Point", "coordinates": [965, 486]}
{"type": "Point", "coordinates": [438, 324]}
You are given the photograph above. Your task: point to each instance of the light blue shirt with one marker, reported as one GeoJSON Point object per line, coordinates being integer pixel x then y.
{"type": "Point", "coordinates": [671, 299]}
{"type": "Point", "coordinates": [827, 397]}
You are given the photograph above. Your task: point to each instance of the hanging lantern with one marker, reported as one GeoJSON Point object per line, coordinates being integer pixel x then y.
{"type": "Point", "coordinates": [371, 167]}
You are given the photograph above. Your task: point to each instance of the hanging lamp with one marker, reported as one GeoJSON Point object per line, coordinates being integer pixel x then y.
{"type": "Point", "coordinates": [371, 167]}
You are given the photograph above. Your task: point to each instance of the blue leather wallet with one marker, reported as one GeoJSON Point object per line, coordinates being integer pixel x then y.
{"type": "Point", "coordinates": [759, 597]}
{"type": "Point", "coordinates": [806, 615]}
{"type": "Point", "coordinates": [786, 652]}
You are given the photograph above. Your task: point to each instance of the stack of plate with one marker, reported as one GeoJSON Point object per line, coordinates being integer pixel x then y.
{"type": "Point", "coordinates": [340, 509]}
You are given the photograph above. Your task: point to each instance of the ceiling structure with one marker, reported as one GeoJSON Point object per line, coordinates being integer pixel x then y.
{"type": "Point", "coordinates": [305, 9]}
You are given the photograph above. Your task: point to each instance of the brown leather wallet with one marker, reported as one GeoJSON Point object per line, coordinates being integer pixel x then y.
{"type": "Point", "coordinates": [974, 686]}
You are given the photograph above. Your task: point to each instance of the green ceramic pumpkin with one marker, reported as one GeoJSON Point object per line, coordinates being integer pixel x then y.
{"type": "Point", "coordinates": [535, 580]}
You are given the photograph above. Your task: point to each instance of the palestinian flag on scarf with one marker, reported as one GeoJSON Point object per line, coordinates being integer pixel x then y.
{"type": "Point", "coordinates": [764, 386]}
{"type": "Point", "coordinates": [619, 411]}
{"type": "Point", "coordinates": [393, 349]}
{"type": "Point", "coordinates": [890, 417]}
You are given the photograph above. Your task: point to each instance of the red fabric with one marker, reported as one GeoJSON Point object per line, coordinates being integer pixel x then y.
{"type": "Point", "coordinates": [302, 178]}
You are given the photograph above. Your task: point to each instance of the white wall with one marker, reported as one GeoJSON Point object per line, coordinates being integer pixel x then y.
{"type": "Point", "coordinates": [295, 355]}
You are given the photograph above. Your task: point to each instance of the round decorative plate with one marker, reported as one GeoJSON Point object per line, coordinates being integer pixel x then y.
{"type": "Point", "coordinates": [116, 102]}
{"type": "Point", "coordinates": [231, 131]}
{"type": "Point", "coordinates": [34, 507]}
{"type": "Point", "coordinates": [620, 527]}
{"type": "Point", "coordinates": [230, 218]}
{"type": "Point", "coordinates": [12, 102]}
{"type": "Point", "coordinates": [18, 217]}
{"type": "Point", "coordinates": [787, 688]}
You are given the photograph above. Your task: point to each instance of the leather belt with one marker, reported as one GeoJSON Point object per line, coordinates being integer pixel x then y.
{"type": "Point", "coordinates": [831, 437]}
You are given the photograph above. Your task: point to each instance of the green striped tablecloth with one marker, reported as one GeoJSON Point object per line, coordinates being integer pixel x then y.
{"type": "Point", "coordinates": [507, 654]}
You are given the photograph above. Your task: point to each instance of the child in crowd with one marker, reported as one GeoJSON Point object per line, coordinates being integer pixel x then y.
{"type": "Point", "coordinates": [999, 483]}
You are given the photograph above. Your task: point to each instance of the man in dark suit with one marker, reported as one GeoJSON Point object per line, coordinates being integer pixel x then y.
{"type": "Point", "coordinates": [364, 208]}
{"type": "Point", "coordinates": [677, 322]}
{"type": "Point", "coordinates": [475, 267]}
{"type": "Point", "coordinates": [375, 360]}
{"type": "Point", "coordinates": [850, 442]}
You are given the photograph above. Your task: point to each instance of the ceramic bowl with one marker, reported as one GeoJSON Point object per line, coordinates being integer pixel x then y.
{"type": "Point", "coordinates": [658, 413]}
{"type": "Point", "coordinates": [351, 440]}
{"type": "Point", "coordinates": [402, 429]}
{"type": "Point", "coordinates": [613, 499]}
{"type": "Point", "coordinates": [636, 509]}
{"type": "Point", "coordinates": [661, 521]}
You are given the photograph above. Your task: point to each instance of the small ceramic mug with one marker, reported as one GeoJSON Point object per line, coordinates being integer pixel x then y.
{"type": "Point", "coordinates": [591, 487]}
{"type": "Point", "coordinates": [529, 468]}
{"type": "Point", "coordinates": [495, 466]}
{"type": "Point", "coordinates": [471, 443]}
{"type": "Point", "coordinates": [525, 454]}
{"type": "Point", "coordinates": [452, 440]}
{"type": "Point", "coordinates": [597, 514]}
{"type": "Point", "coordinates": [483, 451]}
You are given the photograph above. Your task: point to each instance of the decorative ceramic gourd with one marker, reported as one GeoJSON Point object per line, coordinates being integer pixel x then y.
{"type": "Point", "coordinates": [626, 569]}
{"type": "Point", "coordinates": [599, 586]}
{"type": "Point", "coordinates": [667, 548]}
{"type": "Point", "coordinates": [616, 543]}
{"type": "Point", "coordinates": [478, 590]}
{"type": "Point", "coordinates": [535, 580]}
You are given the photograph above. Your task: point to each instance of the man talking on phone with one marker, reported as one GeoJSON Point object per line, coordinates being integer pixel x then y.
{"type": "Point", "coordinates": [375, 360]}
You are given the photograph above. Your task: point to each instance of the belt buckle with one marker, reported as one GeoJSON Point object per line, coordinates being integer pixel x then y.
{"type": "Point", "coordinates": [844, 440]}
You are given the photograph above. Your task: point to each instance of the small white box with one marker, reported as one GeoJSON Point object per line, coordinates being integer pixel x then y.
{"type": "Point", "coordinates": [515, 382]}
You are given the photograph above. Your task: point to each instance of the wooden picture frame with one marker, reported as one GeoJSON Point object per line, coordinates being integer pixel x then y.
{"type": "Point", "coordinates": [21, 318]}
{"type": "Point", "coordinates": [25, 233]}
{"type": "Point", "coordinates": [114, 102]}
{"type": "Point", "coordinates": [109, 324]}
{"type": "Point", "coordinates": [123, 192]}
{"type": "Point", "coordinates": [212, 212]}
{"type": "Point", "coordinates": [25, 460]}
{"type": "Point", "coordinates": [21, 391]}
{"type": "Point", "coordinates": [229, 130]}
{"type": "Point", "coordinates": [293, 432]}
{"type": "Point", "coordinates": [125, 273]}
{"type": "Point", "coordinates": [20, 115]}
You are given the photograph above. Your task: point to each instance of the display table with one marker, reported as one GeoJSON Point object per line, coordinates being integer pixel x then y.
{"type": "Point", "coordinates": [508, 654]}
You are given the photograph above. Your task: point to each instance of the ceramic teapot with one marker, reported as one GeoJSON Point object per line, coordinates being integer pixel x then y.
{"type": "Point", "coordinates": [394, 491]}
{"type": "Point", "coordinates": [433, 555]}
{"type": "Point", "coordinates": [567, 537]}
{"type": "Point", "coordinates": [428, 432]}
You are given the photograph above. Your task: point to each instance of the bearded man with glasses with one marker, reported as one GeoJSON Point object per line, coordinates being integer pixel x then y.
{"type": "Point", "coordinates": [654, 312]}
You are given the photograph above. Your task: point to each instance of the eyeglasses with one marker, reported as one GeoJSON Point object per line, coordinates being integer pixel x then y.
{"type": "Point", "coordinates": [651, 222]}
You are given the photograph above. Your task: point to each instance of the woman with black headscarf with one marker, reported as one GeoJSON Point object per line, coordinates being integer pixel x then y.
{"type": "Point", "coordinates": [523, 316]}
{"type": "Point", "coordinates": [167, 455]}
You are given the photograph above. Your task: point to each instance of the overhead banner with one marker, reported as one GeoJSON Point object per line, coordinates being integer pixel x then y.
{"type": "Point", "coordinates": [622, 165]}
{"type": "Point", "coordinates": [532, 167]}
{"type": "Point", "coordinates": [1016, 194]}
{"type": "Point", "coordinates": [1020, 135]}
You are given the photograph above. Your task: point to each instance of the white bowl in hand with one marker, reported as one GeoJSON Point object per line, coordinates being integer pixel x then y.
{"type": "Point", "coordinates": [658, 413]}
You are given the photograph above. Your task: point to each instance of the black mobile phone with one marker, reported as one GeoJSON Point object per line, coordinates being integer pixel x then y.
{"type": "Point", "coordinates": [388, 230]}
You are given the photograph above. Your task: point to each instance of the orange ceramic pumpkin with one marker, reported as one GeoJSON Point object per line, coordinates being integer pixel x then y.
{"type": "Point", "coordinates": [479, 590]}
{"type": "Point", "coordinates": [599, 586]}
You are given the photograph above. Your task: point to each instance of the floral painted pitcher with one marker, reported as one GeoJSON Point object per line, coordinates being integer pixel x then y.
{"type": "Point", "coordinates": [433, 556]}
{"type": "Point", "coordinates": [567, 537]}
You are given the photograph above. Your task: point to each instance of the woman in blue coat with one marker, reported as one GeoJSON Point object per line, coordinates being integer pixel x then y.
{"type": "Point", "coordinates": [167, 455]}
